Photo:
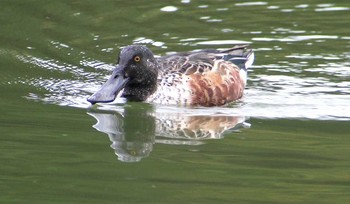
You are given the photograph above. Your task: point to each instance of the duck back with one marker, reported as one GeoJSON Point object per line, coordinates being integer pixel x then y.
{"type": "Point", "coordinates": [205, 78]}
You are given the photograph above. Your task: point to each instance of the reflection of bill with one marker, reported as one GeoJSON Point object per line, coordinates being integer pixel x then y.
{"type": "Point", "coordinates": [134, 131]}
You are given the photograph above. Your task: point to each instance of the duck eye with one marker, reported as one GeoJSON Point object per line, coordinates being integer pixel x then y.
{"type": "Point", "coordinates": [137, 58]}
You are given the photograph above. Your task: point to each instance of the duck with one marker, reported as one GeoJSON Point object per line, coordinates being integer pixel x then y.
{"type": "Point", "coordinates": [209, 77]}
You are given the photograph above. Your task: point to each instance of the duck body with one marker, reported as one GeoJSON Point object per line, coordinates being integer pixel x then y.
{"type": "Point", "coordinates": [204, 78]}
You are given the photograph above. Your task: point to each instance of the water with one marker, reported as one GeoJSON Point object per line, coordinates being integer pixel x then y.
{"type": "Point", "coordinates": [286, 141]}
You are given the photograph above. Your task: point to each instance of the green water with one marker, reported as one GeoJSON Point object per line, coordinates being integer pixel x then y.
{"type": "Point", "coordinates": [286, 141]}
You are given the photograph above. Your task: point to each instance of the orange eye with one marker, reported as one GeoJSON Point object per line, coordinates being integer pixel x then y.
{"type": "Point", "coordinates": [137, 58]}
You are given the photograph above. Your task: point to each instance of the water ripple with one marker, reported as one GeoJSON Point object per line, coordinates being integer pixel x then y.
{"type": "Point", "coordinates": [295, 38]}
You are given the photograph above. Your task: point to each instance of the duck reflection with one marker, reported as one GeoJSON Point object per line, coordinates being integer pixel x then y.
{"type": "Point", "coordinates": [134, 129]}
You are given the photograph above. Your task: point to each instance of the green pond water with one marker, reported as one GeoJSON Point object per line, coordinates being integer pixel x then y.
{"type": "Point", "coordinates": [286, 141]}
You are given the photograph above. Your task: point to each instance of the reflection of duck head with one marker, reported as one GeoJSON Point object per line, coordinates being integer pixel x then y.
{"type": "Point", "coordinates": [135, 129]}
{"type": "Point", "coordinates": [132, 133]}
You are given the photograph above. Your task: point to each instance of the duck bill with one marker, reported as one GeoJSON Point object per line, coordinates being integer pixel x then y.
{"type": "Point", "coordinates": [109, 91]}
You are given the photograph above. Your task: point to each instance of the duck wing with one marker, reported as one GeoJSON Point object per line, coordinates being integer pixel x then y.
{"type": "Point", "coordinates": [204, 60]}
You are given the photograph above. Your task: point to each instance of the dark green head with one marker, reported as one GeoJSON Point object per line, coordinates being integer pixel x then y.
{"type": "Point", "coordinates": [136, 73]}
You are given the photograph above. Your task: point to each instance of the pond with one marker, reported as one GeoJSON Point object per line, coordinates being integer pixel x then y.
{"type": "Point", "coordinates": [286, 141]}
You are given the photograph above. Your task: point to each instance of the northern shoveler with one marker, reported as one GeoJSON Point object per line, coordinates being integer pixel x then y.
{"type": "Point", "coordinates": [205, 78]}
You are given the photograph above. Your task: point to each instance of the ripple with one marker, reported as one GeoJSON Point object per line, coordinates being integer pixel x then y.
{"type": "Point", "coordinates": [281, 30]}
{"type": "Point", "coordinates": [313, 37]}
{"type": "Point", "coordinates": [65, 92]}
{"type": "Point", "coordinates": [61, 92]}
{"type": "Point", "coordinates": [222, 42]}
{"type": "Point", "coordinates": [333, 69]}
{"type": "Point", "coordinates": [255, 3]}
{"type": "Point", "coordinates": [310, 56]}
{"type": "Point", "coordinates": [96, 64]}
{"type": "Point", "coordinates": [143, 40]}
{"type": "Point", "coordinates": [169, 9]}
{"type": "Point", "coordinates": [302, 6]}
{"type": "Point", "coordinates": [332, 9]}
{"type": "Point", "coordinates": [296, 38]}
{"type": "Point", "coordinates": [210, 20]}
{"type": "Point", "coordinates": [203, 6]}
{"type": "Point", "coordinates": [273, 7]}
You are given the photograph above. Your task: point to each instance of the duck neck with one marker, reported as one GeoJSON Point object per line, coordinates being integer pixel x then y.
{"type": "Point", "coordinates": [140, 90]}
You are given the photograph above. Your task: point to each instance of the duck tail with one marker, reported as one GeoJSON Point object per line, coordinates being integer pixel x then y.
{"type": "Point", "coordinates": [250, 59]}
{"type": "Point", "coordinates": [242, 56]}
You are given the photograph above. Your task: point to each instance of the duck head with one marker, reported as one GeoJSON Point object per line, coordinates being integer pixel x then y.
{"type": "Point", "coordinates": [136, 72]}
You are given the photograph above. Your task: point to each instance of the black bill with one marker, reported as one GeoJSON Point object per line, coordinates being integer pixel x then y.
{"type": "Point", "coordinates": [110, 89]}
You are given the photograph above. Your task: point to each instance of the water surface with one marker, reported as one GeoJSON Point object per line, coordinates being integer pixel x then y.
{"type": "Point", "coordinates": [286, 141]}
